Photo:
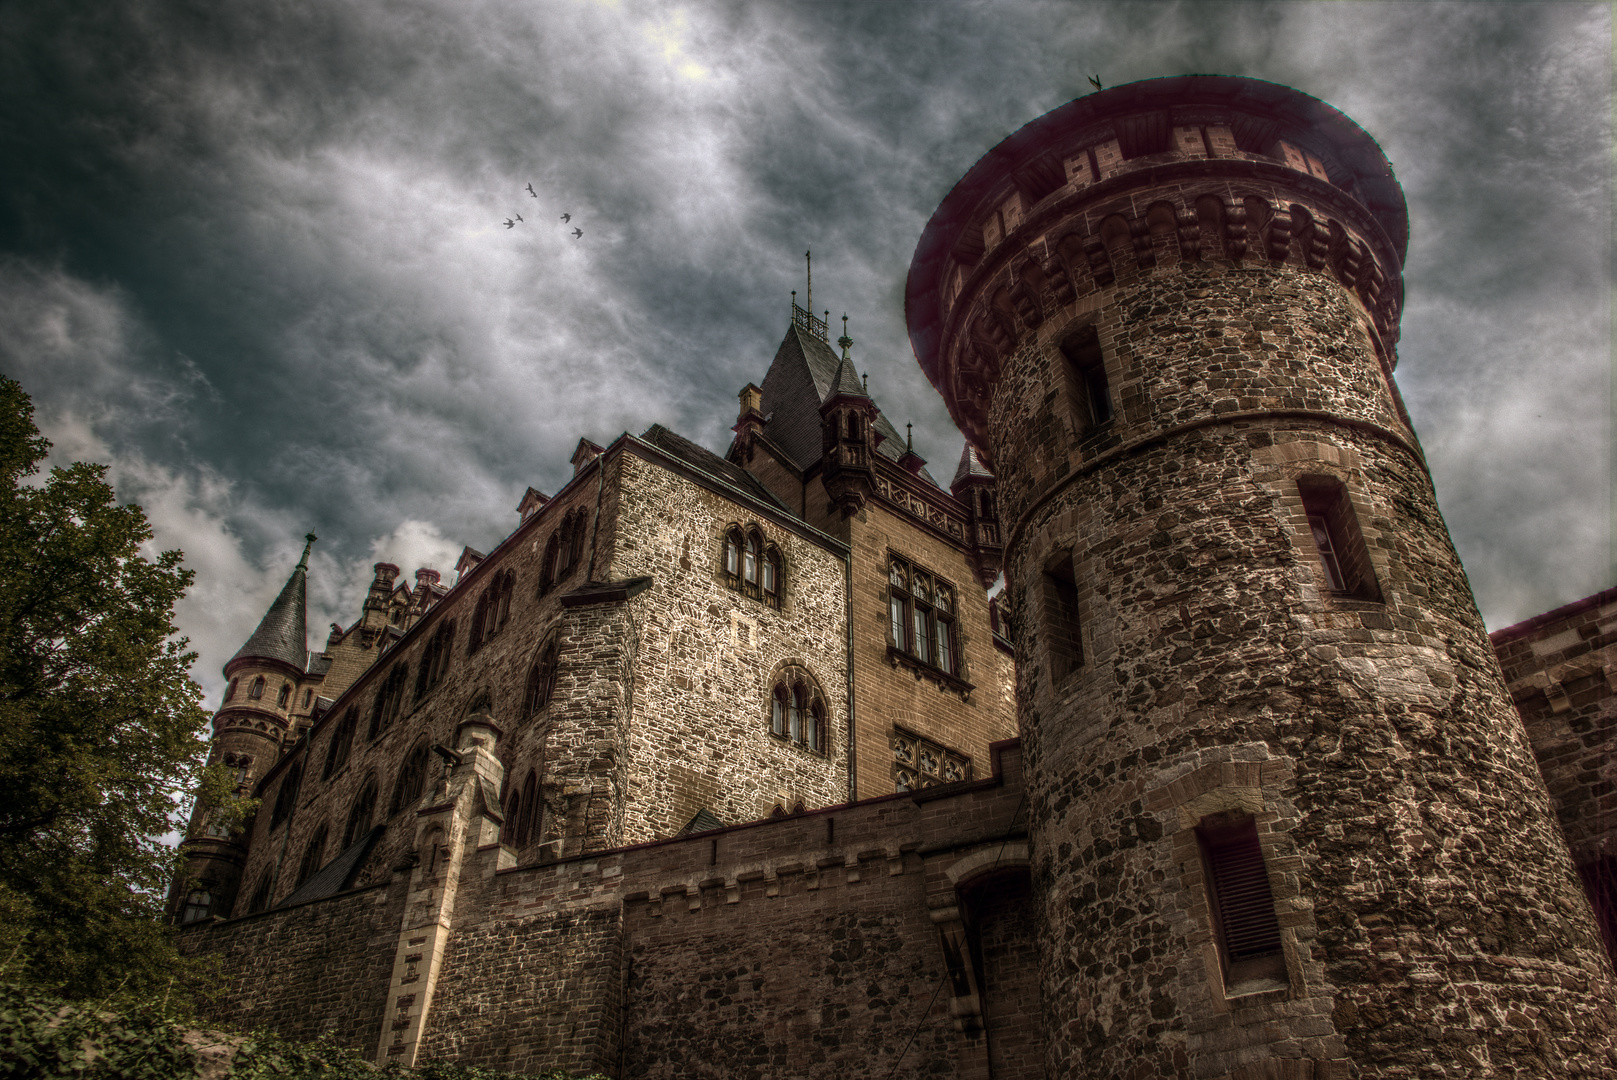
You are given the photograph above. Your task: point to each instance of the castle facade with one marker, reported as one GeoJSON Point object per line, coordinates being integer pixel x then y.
{"type": "Point", "coordinates": [728, 766]}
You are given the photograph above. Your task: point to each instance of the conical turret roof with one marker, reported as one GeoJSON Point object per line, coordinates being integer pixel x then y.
{"type": "Point", "coordinates": [970, 465]}
{"type": "Point", "coordinates": [282, 634]}
{"type": "Point", "coordinates": [845, 382]}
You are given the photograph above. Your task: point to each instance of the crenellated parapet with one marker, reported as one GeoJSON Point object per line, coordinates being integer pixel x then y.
{"type": "Point", "coordinates": [1153, 179]}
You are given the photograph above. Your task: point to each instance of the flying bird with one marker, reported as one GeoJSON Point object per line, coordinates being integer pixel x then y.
{"type": "Point", "coordinates": [519, 217]}
{"type": "Point", "coordinates": [532, 192]}
{"type": "Point", "coordinates": [567, 217]}
{"type": "Point", "coordinates": [1094, 80]}
{"type": "Point", "coordinates": [577, 233]}
{"type": "Point", "coordinates": [509, 224]}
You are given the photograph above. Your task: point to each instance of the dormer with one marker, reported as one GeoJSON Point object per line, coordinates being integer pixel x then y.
{"type": "Point", "coordinates": [533, 500]}
{"type": "Point", "coordinates": [750, 420]}
{"type": "Point", "coordinates": [586, 453]}
{"type": "Point", "coordinates": [469, 559]}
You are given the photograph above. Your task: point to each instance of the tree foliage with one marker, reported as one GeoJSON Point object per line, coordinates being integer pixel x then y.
{"type": "Point", "coordinates": [99, 723]}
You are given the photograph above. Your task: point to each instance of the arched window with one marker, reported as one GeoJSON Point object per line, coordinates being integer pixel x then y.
{"type": "Point", "coordinates": [570, 543]}
{"type": "Point", "coordinates": [198, 906]}
{"type": "Point", "coordinates": [547, 565]}
{"type": "Point", "coordinates": [313, 856]}
{"type": "Point", "coordinates": [231, 693]}
{"type": "Point", "coordinates": [435, 658]}
{"type": "Point", "coordinates": [508, 583]}
{"type": "Point", "coordinates": [341, 739]}
{"type": "Point", "coordinates": [770, 576]}
{"type": "Point", "coordinates": [287, 796]}
{"type": "Point", "coordinates": [541, 680]}
{"type": "Point", "coordinates": [360, 815]}
{"type": "Point", "coordinates": [732, 554]}
{"type": "Point", "coordinates": [261, 896]}
{"type": "Point", "coordinates": [286, 693]}
{"type": "Point", "coordinates": [308, 696]}
{"type": "Point", "coordinates": [577, 553]}
{"type": "Point", "coordinates": [389, 699]}
{"type": "Point", "coordinates": [258, 688]}
{"type": "Point", "coordinates": [921, 615]}
{"type": "Point", "coordinates": [513, 818]}
{"type": "Point", "coordinates": [749, 560]}
{"type": "Point", "coordinates": [479, 621]}
{"type": "Point", "coordinates": [532, 809]}
{"type": "Point", "coordinates": [797, 711]}
{"type": "Point", "coordinates": [412, 778]}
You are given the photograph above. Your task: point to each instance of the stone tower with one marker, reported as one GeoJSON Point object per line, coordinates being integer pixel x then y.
{"type": "Point", "coordinates": [1285, 821]}
{"type": "Point", "coordinates": [255, 720]}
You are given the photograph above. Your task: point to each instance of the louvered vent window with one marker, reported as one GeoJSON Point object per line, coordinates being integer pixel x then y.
{"type": "Point", "coordinates": [1243, 907]}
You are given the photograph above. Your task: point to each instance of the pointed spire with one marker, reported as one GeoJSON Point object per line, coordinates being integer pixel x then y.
{"type": "Point", "coordinates": [846, 383]}
{"type": "Point", "coordinates": [844, 341]}
{"type": "Point", "coordinates": [970, 466]}
{"type": "Point", "coordinates": [282, 634]}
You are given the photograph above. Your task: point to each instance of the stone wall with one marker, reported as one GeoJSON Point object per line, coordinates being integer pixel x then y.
{"type": "Point", "coordinates": [855, 941]}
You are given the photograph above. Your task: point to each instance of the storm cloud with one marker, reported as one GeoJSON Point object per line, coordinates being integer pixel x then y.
{"type": "Point", "coordinates": [252, 256]}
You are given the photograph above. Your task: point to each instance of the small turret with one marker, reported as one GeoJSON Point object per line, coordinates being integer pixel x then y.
{"type": "Point", "coordinates": [975, 486]}
{"type": "Point", "coordinates": [749, 423]}
{"type": "Point", "coordinates": [848, 417]}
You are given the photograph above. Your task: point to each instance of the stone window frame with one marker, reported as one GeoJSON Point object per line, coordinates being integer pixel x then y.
{"type": "Point", "coordinates": [911, 750]}
{"type": "Point", "coordinates": [435, 659]}
{"type": "Point", "coordinates": [259, 899]}
{"type": "Point", "coordinates": [492, 611]}
{"type": "Point", "coordinates": [523, 812]}
{"type": "Point", "coordinates": [314, 855]}
{"type": "Point", "coordinates": [1090, 402]}
{"type": "Point", "coordinates": [541, 684]}
{"type": "Point", "coordinates": [1343, 558]}
{"type": "Point", "coordinates": [751, 563]}
{"type": "Point", "coordinates": [798, 713]}
{"type": "Point", "coordinates": [388, 704]}
{"type": "Point", "coordinates": [411, 781]}
{"type": "Point", "coordinates": [284, 696]}
{"type": "Point", "coordinates": [257, 691]}
{"type": "Point", "coordinates": [198, 905]}
{"type": "Point", "coordinates": [906, 604]}
{"type": "Point", "coordinates": [286, 795]}
{"type": "Point", "coordinates": [359, 824]}
{"type": "Point", "coordinates": [1222, 790]}
{"type": "Point", "coordinates": [1061, 623]}
{"type": "Point", "coordinates": [340, 743]}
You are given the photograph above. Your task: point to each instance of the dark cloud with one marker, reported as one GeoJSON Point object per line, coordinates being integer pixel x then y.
{"type": "Point", "coordinates": [252, 255]}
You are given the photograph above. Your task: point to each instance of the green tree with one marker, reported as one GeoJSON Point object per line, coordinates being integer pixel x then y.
{"type": "Point", "coordinates": [100, 725]}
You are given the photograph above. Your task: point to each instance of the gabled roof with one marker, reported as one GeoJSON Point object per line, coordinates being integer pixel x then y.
{"type": "Point", "coordinates": [702, 458]}
{"type": "Point", "coordinates": [799, 380]}
{"type": "Point", "coordinates": [283, 633]}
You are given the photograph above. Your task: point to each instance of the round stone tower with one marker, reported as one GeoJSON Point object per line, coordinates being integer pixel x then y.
{"type": "Point", "coordinates": [1285, 818]}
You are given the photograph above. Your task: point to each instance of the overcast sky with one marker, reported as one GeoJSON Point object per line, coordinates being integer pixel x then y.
{"type": "Point", "coordinates": [251, 255]}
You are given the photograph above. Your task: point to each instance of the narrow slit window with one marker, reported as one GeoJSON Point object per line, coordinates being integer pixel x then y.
{"type": "Point", "coordinates": [1242, 905]}
{"type": "Point", "coordinates": [1062, 631]}
{"type": "Point", "coordinates": [1088, 389]}
{"type": "Point", "coordinates": [1344, 557]}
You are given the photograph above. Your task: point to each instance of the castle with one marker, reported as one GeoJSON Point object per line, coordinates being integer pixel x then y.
{"type": "Point", "coordinates": [728, 766]}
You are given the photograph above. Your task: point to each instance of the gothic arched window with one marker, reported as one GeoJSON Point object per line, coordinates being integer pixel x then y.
{"type": "Point", "coordinates": [313, 856]}
{"type": "Point", "coordinates": [507, 583]}
{"type": "Point", "coordinates": [435, 658]}
{"type": "Point", "coordinates": [389, 699]}
{"type": "Point", "coordinates": [341, 739]}
{"type": "Point", "coordinates": [258, 688]}
{"type": "Point", "coordinates": [261, 896]}
{"type": "Point", "coordinates": [360, 815]}
{"type": "Point", "coordinates": [751, 564]}
{"type": "Point", "coordinates": [287, 795]}
{"type": "Point", "coordinates": [513, 818]}
{"type": "Point", "coordinates": [547, 565]}
{"type": "Point", "coordinates": [749, 560]}
{"type": "Point", "coordinates": [732, 554]}
{"type": "Point", "coordinates": [541, 680]}
{"type": "Point", "coordinates": [412, 778]}
{"type": "Point", "coordinates": [797, 710]}
{"type": "Point", "coordinates": [769, 576]}
{"type": "Point", "coordinates": [576, 555]}
{"type": "Point", "coordinates": [286, 693]}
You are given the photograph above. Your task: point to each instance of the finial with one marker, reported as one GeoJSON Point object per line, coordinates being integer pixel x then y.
{"type": "Point", "coordinates": [808, 257]}
{"type": "Point", "coordinates": [867, 383]}
{"type": "Point", "coordinates": [909, 436]}
{"type": "Point", "coordinates": [794, 303]}
{"type": "Point", "coordinates": [308, 542]}
{"type": "Point", "coordinates": [844, 341]}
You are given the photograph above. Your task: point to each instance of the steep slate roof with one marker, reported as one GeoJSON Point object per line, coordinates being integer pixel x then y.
{"type": "Point", "coordinates": [799, 378]}
{"type": "Point", "coordinates": [283, 633]}
{"type": "Point", "coordinates": [333, 877]}
{"type": "Point", "coordinates": [701, 457]}
{"type": "Point", "coordinates": [846, 382]}
{"type": "Point", "coordinates": [970, 465]}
